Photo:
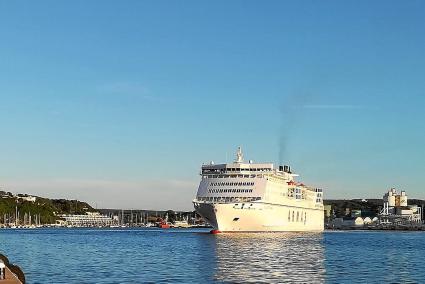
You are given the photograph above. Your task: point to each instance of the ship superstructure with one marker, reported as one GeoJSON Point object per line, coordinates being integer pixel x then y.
{"type": "Point", "coordinates": [257, 197]}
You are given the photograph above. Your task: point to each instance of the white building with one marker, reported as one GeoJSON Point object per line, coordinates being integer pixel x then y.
{"type": "Point", "coordinates": [90, 219]}
{"type": "Point", "coordinates": [367, 221]}
{"type": "Point", "coordinates": [397, 211]}
{"type": "Point", "coordinates": [348, 223]}
{"type": "Point", "coordinates": [28, 198]}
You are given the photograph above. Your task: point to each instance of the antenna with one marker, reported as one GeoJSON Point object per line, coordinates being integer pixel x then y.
{"type": "Point", "coordinates": [239, 155]}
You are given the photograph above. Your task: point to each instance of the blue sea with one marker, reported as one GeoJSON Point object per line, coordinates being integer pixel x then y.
{"type": "Point", "coordinates": [195, 256]}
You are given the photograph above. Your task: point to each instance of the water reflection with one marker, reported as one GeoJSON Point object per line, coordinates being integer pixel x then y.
{"type": "Point", "coordinates": [374, 257]}
{"type": "Point", "coordinates": [270, 258]}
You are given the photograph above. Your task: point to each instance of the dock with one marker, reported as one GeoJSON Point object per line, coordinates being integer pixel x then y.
{"type": "Point", "coordinates": [10, 274]}
{"type": "Point", "coordinates": [10, 278]}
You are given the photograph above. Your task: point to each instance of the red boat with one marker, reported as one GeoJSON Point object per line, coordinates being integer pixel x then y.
{"type": "Point", "coordinates": [163, 224]}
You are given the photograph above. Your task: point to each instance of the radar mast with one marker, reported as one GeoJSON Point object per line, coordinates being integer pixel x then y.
{"type": "Point", "coordinates": [239, 156]}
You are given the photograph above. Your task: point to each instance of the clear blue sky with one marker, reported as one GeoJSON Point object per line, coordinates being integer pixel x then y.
{"type": "Point", "coordinates": [119, 102]}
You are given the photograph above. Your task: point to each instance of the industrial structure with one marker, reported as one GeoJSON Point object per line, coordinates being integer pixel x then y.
{"type": "Point", "coordinates": [397, 212]}
{"type": "Point", "coordinates": [394, 214]}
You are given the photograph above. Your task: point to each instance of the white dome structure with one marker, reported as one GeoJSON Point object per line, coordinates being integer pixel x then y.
{"type": "Point", "coordinates": [358, 221]}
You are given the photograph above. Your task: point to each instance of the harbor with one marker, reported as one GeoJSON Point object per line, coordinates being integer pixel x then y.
{"type": "Point", "coordinates": [24, 211]}
{"type": "Point", "coordinates": [393, 212]}
{"type": "Point", "coordinates": [195, 256]}
{"type": "Point", "coordinates": [212, 142]}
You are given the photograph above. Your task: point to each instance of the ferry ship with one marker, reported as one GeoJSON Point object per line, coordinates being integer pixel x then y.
{"type": "Point", "coordinates": [257, 197]}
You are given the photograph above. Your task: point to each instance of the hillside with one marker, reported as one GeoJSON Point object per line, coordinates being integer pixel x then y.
{"type": "Point", "coordinates": [45, 208]}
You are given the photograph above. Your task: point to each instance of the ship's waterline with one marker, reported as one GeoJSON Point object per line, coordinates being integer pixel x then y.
{"type": "Point", "coordinates": [257, 197]}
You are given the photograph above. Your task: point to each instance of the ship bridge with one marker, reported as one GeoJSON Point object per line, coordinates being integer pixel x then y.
{"type": "Point", "coordinates": [236, 168]}
{"type": "Point", "coordinates": [240, 181]}
{"type": "Point", "coordinates": [239, 167]}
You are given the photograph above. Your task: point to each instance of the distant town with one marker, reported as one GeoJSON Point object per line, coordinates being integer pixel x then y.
{"type": "Point", "coordinates": [28, 211]}
{"type": "Point", "coordinates": [394, 211]}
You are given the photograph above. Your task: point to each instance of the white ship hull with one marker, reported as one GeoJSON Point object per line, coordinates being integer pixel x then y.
{"type": "Point", "coordinates": [261, 217]}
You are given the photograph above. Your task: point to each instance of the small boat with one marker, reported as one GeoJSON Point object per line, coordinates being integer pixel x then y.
{"type": "Point", "coordinates": [163, 224]}
{"type": "Point", "coordinates": [181, 223]}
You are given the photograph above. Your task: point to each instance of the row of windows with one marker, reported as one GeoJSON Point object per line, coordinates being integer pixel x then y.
{"type": "Point", "coordinates": [231, 183]}
{"type": "Point", "coordinates": [230, 199]}
{"type": "Point", "coordinates": [229, 190]}
{"type": "Point", "coordinates": [298, 219]}
{"type": "Point", "coordinates": [212, 171]}
{"type": "Point", "coordinates": [232, 176]}
{"type": "Point", "coordinates": [250, 169]}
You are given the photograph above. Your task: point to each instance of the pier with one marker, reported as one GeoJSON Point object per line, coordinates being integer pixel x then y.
{"type": "Point", "coordinates": [10, 278]}
{"type": "Point", "coordinates": [10, 273]}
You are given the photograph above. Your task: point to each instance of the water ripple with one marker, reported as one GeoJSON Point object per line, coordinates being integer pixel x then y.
{"type": "Point", "coordinates": [189, 256]}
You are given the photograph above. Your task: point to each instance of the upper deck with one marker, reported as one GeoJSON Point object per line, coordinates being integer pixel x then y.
{"type": "Point", "coordinates": [240, 169]}
{"type": "Point", "coordinates": [248, 182]}
{"type": "Point", "coordinates": [246, 170]}
{"type": "Point", "coordinates": [235, 168]}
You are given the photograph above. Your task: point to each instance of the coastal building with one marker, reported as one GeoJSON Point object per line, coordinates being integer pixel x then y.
{"type": "Point", "coordinates": [328, 211]}
{"type": "Point", "coordinates": [348, 223]}
{"type": "Point", "coordinates": [28, 198]}
{"type": "Point", "coordinates": [22, 197]}
{"type": "Point", "coordinates": [354, 221]}
{"type": "Point", "coordinates": [356, 213]}
{"type": "Point", "coordinates": [347, 211]}
{"type": "Point", "coordinates": [367, 221]}
{"type": "Point", "coordinates": [396, 210]}
{"type": "Point", "coordinates": [90, 219]}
